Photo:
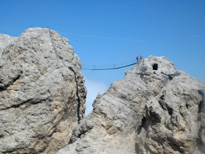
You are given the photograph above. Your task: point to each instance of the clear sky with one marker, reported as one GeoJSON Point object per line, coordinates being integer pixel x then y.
{"type": "Point", "coordinates": [105, 33]}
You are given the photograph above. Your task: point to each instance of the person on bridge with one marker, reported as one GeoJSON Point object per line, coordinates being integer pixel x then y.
{"type": "Point", "coordinates": [137, 58]}
{"type": "Point", "coordinates": [140, 58]}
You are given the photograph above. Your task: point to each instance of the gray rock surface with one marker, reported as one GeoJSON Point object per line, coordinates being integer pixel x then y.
{"type": "Point", "coordinates": [5, 40]}
{"type": "Point", "coordinates": [155, 109]}
{"type": "Point", "coordinates": [42, 92]}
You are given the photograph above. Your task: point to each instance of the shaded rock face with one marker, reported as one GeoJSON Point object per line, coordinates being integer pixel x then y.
{"type": "Point", "coordinates": [155, 109]}
{"type": "Point", "coordinates": [42, 92]}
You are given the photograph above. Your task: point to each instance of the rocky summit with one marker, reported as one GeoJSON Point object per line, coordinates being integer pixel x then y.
{"type": "Point", "coordinates": [42, 92]}
{"type": "Point", "coordinates": [155, 109]}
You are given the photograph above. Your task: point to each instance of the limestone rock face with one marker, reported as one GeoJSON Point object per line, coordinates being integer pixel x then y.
{"type": "Point", "coordinates": [155, 109]}
{"type": "Point", "coordinates": [42, 92]}
{"type": "Point", "coordinates": [5, 40]}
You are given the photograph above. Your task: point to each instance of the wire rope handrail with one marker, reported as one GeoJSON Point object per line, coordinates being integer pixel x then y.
{"type": "Point", "coordinates": [111, 68]}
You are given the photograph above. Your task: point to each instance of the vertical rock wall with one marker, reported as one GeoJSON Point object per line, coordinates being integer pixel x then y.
{"type": "Point", "coordinates": [42, 92]}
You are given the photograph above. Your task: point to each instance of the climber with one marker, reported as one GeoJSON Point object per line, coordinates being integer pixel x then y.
{"type": "Point", "coordinates": [140, 57]}
{"type": "Point", "coordinates": [137, 58]}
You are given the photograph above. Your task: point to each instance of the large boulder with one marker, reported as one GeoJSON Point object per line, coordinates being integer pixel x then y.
{"type": "Point", "coordinates": [155, 109]}
{"type": "Point", "coordinates": [42, 92]}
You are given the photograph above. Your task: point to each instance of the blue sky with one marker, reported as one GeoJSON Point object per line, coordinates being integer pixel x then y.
{"type": "Point", "coordinates": [105, 33]}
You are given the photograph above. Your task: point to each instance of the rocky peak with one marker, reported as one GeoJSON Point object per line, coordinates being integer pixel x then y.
{"type": "Point", "coordinates": [42, 92]}
{"type": "Point", "coordinates": [155, 65]}
{"type": "Point", "coordinates": [154, 109]}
